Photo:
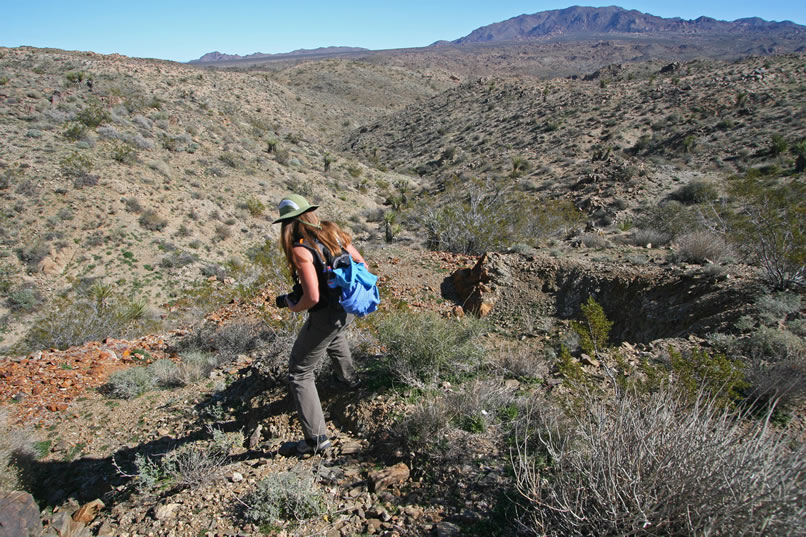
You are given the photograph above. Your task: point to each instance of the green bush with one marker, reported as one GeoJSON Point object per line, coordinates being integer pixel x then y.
{"type": "Point", "coordinates": [656, 466]}
{"type": "Point", "coordinates": [255, 206]}
{"type": "Point", "coordinates": [594, 328]}
{"type": "Point", "coordinates": [124, 153]}
{"type": "Point", "coordinates": [290, 495]}
{"type": "Point", "coordinates": [423, 348]}
{"type": "Point", "coordinates": [75, 131]}
{"type": "Point", "coordinates": [93, 114]}
{"type": "Point", "coordinates": [76, 165]}
{"type": "Point", "coordinates": [474, 216]}
{"type": "Point", "coordinates": [88, 316]}
{"type": "Point", "coordinates": [770, 227]}
{"type": "Point", "coordinates": [696, 192]}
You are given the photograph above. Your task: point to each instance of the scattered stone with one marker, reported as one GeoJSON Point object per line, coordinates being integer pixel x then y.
{"type": "Point", "coordinates": [237, 477]}
{"type": "Point", "coordinates": [373, 525]}
{"type": "Point", "coordinates": [388, 477]}
{"type": "Point", "coordinates": [166, 511]}
{"type": "Point", "coordinates": [87, 512]}
{"type": "Point", "coordinates": [19, 515]}
{"type": "Point", "coordinates": [65, 526]}
{"type": "Point", "coordinates": [351, 448]}
{"type": "Point", "coordinates": [255, 437]}
{"type": "Point", "coordinates": [587, 360]}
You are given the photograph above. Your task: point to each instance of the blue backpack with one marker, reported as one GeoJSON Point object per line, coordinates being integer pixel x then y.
{"type": "Point", "coordinates": [343, 282]}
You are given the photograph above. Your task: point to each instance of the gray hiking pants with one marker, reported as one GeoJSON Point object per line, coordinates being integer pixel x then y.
{"type": "Point", "coordinates": [317, 337]}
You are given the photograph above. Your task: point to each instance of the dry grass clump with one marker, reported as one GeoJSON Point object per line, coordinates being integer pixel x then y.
{"type": "Point", "coordinates": [702, 247]}
{"type": "Point", "coordinates": [438, 422]}
{"type": "Point", "coordinates": [657, 466]}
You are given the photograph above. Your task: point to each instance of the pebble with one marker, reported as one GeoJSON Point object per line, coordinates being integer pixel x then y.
{"type": "Point", "coordinates": [237, 477]}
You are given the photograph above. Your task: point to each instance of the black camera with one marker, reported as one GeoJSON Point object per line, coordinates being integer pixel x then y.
{"type": "Point", "coordinates": [293, 297]}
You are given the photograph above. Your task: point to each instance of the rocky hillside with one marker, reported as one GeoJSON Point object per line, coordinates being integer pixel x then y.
{"type": "Point", "coordinates": [617, 139]}
{"type": "Point", "coordinates": [145, 174]}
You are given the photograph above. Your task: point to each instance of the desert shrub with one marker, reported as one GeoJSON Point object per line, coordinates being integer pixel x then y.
{"type": "Point", "coordinates": [177, 259]}
{"type": "Point", "coordinates": [776, 307]}
{"type": "Point", "coordinates": [288, 495]}
{"type": "Point", "coordinates": [222, 232]}
{"type": "Point", "coordinates": [93, 114]}
{"type": "Point", "coordinates": [188, 466]}
{"type": "Point", "coordinates": [657, 465]}
{"type": "Point", "coordinates": [521, 363]}
{"type": "Point", "coordinates": [75, 165]}
{"type": "Point", "coordinates": [255, 206]}
{"type": "Point", "coordinates": [227, 341]}
{"type": "Point", "coordinates": [423, 348]}
{"type": "Point", "coordinates": [152, 221]}
{"type": "Point", "coordinates": [778, 145]}
{"type": "Point", "coordinates": [195, 365]}
{"type": "Point", "coordinates": [702, 247]}
{"type": "Point", "coordinates": [696, 192]}
{"type": "Point", "coordinates": [670, 218]}
{"type": "Point", "coordinates": [133, 205]}
{"type": "Point", "coordinates": [594, 328]}
{"type": "Point", "coordinates": [90, 315]}
{"type": "Point", "coordinates": [31, 255]}
{"type": "Point", "coordinates": [130, 383]}
{"type": "Point", "coordinates": [124, 153]}
{"type": "Point", "coordinates": [770, 227]}
{"type": "Point", "coordinates": [594, 240]}
{"type": "Point", "coordinates": [476, 216]}
{"type": "Point", "coordinates": [74, 131]}
{"type": "Point", "coordinates": [160, 167]}
{"type": "Point", "coordinates": [165, 373]}
{"type": "Point", "coordinates": [23, 299]}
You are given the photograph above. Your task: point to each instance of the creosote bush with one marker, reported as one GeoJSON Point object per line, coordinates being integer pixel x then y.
{"type": "Point", "coordinates": [770, 227]}
{"type": "Point", "coordinates": [423, 348]}
{"type": "Point", "coordinates": [474, 216]}
{"type": "Point", "coordinates": [658, 465]}
{"type": "Point", "coordinates": [87, 315]}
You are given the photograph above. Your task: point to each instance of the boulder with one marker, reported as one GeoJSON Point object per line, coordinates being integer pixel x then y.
{"type": "Point", "coordinates": [388, 477]}
{"type": "Point", "coordinates": [477, 287]}
{"type": "Point", "coordinates": [19, 515]}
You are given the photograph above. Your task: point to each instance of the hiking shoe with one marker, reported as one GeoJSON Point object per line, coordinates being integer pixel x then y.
{"type": "Point", "coordinates": [352, 384]}
{"type": "Point", "coordinates": [313, 445]}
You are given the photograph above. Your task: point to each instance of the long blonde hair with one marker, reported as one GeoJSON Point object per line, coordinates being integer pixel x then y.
{"type": "Point", "coordinates": [310, 229]}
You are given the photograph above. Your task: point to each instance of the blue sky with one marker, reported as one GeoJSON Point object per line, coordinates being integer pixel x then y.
{"type": "Point", "coordinates": [184, 31]}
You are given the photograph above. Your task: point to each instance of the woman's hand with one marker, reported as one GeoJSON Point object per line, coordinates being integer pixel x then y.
{"type": "Point", "coordinates": [306, 272]}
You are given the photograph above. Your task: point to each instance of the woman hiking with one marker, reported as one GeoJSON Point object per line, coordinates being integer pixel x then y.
{"type": "Point", "coordinates": [310, 247]}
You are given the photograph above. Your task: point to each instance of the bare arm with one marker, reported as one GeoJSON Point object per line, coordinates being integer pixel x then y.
{"type": "Point", "coordinates": [306, 271]}
{"type": "Point", "coordinates": [355, 254]}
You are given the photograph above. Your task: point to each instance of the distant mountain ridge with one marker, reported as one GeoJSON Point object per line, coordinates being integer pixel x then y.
{"type": "Point", "coordinates": [213, 57]}
{"type": "Point", "coordinates": [577, 20]}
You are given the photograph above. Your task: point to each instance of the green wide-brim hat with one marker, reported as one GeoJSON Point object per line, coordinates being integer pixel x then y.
{"type": "Point", "coordinates": [292, 206]}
